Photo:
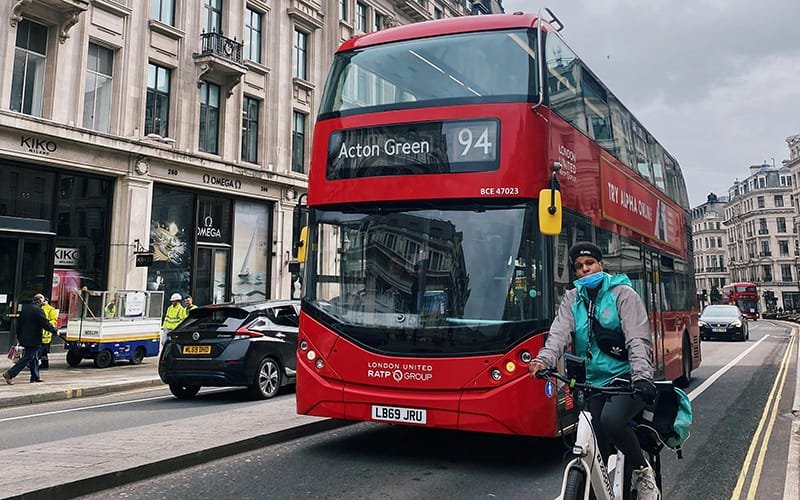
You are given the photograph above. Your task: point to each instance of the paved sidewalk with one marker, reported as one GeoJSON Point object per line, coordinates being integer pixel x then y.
{"type": "Point", "coordinates": [78, 466]}
{"type": "Point", "coordinates": [64, 382]}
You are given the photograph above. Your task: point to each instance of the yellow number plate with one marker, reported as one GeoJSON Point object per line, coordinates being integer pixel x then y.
{"type": "Point", "coordinates": [196, 349]}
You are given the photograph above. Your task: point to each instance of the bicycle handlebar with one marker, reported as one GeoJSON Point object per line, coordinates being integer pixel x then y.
{"type": "Point", "coordinates": [613, 390]}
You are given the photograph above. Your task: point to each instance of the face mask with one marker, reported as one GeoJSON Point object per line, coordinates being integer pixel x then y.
{"type": "Point", "coordinates": [591, 281]}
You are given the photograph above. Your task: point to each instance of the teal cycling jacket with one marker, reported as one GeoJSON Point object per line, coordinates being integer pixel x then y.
{"type": "Point", "coordinates": [617, 305]}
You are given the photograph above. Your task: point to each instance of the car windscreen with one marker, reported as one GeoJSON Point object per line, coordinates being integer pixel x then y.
{"type": "Point", "coordinates": [730, 313]}
{"type": "Point", "coordinates": [283, 316]}
{"type": "Point", "coordinates": [223, 319]}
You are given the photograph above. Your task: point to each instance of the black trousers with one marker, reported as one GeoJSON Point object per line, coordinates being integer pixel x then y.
{"type": "Point", "coordinates": [611, 416]}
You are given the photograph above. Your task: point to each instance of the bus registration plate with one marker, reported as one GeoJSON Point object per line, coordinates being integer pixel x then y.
{"type": "Point", "coordinates": [396, 414]}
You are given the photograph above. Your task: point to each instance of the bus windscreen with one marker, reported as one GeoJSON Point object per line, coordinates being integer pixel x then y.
{"type": "Point", "coordinates": [430, 281]}
{"type": "Point", "coordinates": [436, 71]}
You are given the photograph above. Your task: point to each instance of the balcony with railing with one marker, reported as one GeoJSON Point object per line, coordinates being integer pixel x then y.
{"type": "Point", "coordinates": [417, 10]}
{"type": "Point", "coordinates": [220, 60]}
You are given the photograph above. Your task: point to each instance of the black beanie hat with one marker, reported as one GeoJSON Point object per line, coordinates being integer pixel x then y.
{"type": "Point", "coordinates": [582, 248]}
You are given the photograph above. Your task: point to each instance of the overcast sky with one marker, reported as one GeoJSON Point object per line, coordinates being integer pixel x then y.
{"type": "Point", "coordinates": [717, 82]}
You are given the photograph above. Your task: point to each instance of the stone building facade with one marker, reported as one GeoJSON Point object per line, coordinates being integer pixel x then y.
{"type": "Point", "coordinates": [710, 241]}
{"type": "Point", "coordinates": [177, 128]}
{"type": "Point", "coordinates": [762, 240]}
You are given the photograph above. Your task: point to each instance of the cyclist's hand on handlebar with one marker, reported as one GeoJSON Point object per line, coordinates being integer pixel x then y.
{"type": "Point", "coordinates": [646, 390]}
{"type": "Point", "coordinates": [535, 366]}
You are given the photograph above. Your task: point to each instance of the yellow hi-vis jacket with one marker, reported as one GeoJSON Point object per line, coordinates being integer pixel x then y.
{"type": "Point", "coordinates": [51, 313]}
{"type": "Point", "coordinates": [175, 314]}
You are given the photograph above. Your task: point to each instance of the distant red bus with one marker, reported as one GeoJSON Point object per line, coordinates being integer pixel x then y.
{"type": "Point", "coordinates": [744, 295]}
{"type": "Point", "coordinates": [428, 282]}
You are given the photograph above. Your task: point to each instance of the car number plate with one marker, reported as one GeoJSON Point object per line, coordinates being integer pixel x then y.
{"type": "Point", "coordinates": [721, 330]}
{"type": "Point", "coordinates": [196, 349]}
{"type": "Point", "coordinates": [397, 414]}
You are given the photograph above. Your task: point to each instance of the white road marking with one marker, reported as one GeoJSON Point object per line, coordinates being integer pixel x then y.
{"type": "Point", "coordinates": [713, 378]}
{"type": "Point", "coordinates": [94, 407]}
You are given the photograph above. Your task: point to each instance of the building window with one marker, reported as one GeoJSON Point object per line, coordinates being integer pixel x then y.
{"type": "Point", "coordinates": [298, 142]}
{"type": "Point", "coordinates": [343, 10]}
{"type": "Point", "coordinates": [781, 225]}
{"type": "Point", "coordinates": [783, 246]}
{"type": "Point", "coordinates": [250, 130]}
{"type": "Point", "coordinates": [209, 118]}
{"type": "Point", "coordinates": [212, 10]}
{"type": "Point", "coordinates": [156, 119]}
{"type": "Point", "coordinates": [30, 55]}
{"type": "Point", "coordinates": [163, 10]}
{"type": "Point", "coordinates": [300, 54]}
{"type": "Point", "coordinates": [760, 200]}
{"type": "Point", "coordinates": [437, 13]}
{"type": "Point", "coordinates": [378, 21]}
{"type": "Point", "coordinates": [767, 272]}
{"type": "Point", "coordinates": [98, 91]}
{"type": "Point", "coordinates": [778, 200]}
{"type": "Point", "coordinates": [252, 35]}
{"type": "Point", "coordinates": [786, 272]}
{"type": "Point", "coordinates": [361, 17]}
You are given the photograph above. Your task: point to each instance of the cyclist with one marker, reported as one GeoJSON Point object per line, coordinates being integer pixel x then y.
{"type": "Point", "coordinates": [612, 334]}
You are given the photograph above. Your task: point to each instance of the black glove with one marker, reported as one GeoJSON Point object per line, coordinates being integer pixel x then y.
{"type": "Point", "coordinates": [646, 390]}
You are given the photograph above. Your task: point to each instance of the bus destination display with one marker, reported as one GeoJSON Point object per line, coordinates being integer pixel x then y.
{"type": "Point", "coordinates": [414, 148]}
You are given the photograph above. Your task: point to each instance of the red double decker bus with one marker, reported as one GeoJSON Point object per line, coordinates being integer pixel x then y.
{"type": "Point", "coordinates": [744, 296]}
{"type": "Point", "coordinates": [429, 284]}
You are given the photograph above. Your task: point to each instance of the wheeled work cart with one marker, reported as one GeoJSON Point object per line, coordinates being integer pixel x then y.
{"type": "Point", "coordinates": [105, 326]}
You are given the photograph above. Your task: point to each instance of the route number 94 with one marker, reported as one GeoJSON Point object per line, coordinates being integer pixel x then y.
{"type": "Point", "coordinates": [468, 141]}
{"type": "Point", "coordinates": [472, 141]}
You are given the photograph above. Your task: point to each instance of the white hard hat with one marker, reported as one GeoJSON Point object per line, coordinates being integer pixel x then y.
{"type": "Point", "coordinates": [174, 297]}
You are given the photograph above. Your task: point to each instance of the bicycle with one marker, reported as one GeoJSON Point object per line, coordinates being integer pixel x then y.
{"type": "Point", "coordinates": [586, 473]}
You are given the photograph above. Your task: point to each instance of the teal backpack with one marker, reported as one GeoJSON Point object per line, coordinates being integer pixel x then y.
{"type": "Point", "coordinates": [669, 418]}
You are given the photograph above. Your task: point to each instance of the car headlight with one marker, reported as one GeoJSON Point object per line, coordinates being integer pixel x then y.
{"type": "Point", "coordinates": [736, 322]}
{"type": "Point", "coordinates": [701, 324]}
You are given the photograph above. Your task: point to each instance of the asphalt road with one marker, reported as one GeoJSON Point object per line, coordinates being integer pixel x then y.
{"type": "Point", "coordinates": [731, 391]}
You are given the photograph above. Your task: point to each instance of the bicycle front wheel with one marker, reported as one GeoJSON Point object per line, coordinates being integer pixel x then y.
{"type": "Point", "coordinates": [576, 484]}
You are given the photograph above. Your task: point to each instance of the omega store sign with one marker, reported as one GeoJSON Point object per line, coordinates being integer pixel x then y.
{"type": "Point", "coordinates": [219, 182]}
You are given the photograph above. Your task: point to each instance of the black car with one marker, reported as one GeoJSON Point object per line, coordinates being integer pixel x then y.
{"type": "Point", "coordinates": [249, 344]}
{"type": "Point", "coordinates": [719, 321]}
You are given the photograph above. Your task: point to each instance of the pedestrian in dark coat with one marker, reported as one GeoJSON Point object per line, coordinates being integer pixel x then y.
{"type": "Point", "coordinates": [30, 324]}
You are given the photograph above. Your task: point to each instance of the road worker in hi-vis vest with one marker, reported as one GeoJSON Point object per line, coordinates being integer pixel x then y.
{"type": "Point", "coordinates": [51, 313]}
{"type": "Point", "coordinates": [173, 317]}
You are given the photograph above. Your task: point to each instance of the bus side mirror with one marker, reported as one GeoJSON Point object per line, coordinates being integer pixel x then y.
{"type": "Point", "coordinates": [550, 212]}
{"type": "Point", "coordinates": [302, 245]}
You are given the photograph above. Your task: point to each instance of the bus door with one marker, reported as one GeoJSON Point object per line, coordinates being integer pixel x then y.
{"type": "Point", "coordinates": [655, 310]}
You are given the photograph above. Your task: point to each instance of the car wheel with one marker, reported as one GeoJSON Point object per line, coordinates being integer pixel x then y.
{"type": "Point", "coordinates": [74, 357]}
{"type": "Point", "coordinates": [184, 391]}
{"type": "Point", "coordinates": [267, 380]}
{"type": "Point", "coordinates": [103, 359]}
{"type": "Point", "coordinates": [138, 356]}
